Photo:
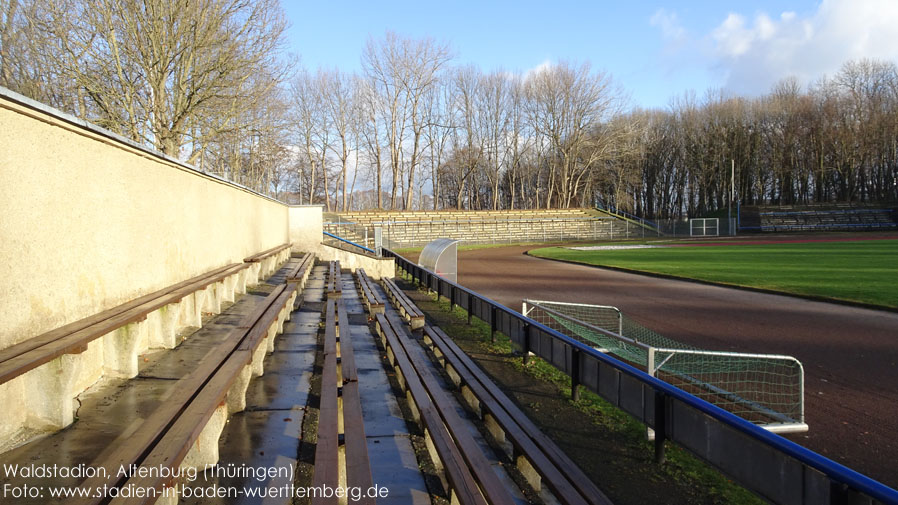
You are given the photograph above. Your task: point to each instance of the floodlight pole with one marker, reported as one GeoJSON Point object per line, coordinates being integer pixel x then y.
{"type": "Point", "coordinates": [730, 226]}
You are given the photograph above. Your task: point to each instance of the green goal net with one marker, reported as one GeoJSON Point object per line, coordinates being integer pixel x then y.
{"type": "Point", "coordinates": [766, 389]}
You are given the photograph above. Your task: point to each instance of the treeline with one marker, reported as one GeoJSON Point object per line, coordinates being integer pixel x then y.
{"type": "Point", "coordinates": [834, 142]}
{"type": "Point", "coordinates": [208, 82]}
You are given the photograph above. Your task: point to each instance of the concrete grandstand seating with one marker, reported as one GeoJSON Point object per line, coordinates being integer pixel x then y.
{"type": "Point", "coordinates": [819, 217]}
{"type": "Point", "coordinates": [416, 228]}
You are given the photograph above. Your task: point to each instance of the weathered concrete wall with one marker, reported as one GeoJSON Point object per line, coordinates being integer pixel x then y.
{"type": "Point", "coordinates": [90, 221]}
{"type": "Point", "coordinates": [306, 226]}
{"type": "Point", "coordinates": [376, 268]}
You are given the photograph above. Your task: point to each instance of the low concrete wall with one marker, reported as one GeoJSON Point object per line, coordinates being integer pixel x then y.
{"type": "Point", "coordinates": [376, 268]}
{"type": "Point", "coordinates": [91, 220]}
{"type": "Point", "coordinates": [306, 227]}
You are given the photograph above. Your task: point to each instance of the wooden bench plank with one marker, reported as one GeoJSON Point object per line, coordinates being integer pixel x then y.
{"type": "Point", "coordinates": [302, 270]}
{"type": "Point", "coordinates": [347, 357]}
{"type": "Point", "coordinates": [334, 284]}
{"type": "Point", "coordinates": [77, 341]}
{"type": "Point", "coordinates": [171, 450]}
{"type": "Point", "coordinates": [492, 488]}
{"type": "Point", "coordinates": [327, 448]}
{"type": "Point", "coordinates": [569, 484]}
{"type": "Point", "coordinates": [255, 258]}
{"type": "Point", "coordinates": [371, 297]}
{"type": "Point", "coordinates": [131, 450]}
{"type": "Point", "coordinates": [358, 465]}
{"type": "Point", "coordinates": [457, 472]}
{"type": "Point", "coordinates": [404, 304]}
{"type": "Point", "coordinates": [259, 332]}
{"type": "Point", "coordinates": [52, 335]}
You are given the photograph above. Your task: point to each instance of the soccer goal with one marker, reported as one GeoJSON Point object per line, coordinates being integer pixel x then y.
{"type": "Point", "coordinates": [704, 227]}
{"type": "Point", "coordinates": [766, 389]}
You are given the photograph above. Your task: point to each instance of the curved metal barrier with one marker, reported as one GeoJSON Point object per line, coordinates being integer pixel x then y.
{"type": "Point", "coordinates": [777, 469]}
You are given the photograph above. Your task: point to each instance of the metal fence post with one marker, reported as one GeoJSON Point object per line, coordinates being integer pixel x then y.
{"type": "Point", "coordinates": [493, 324]}
{"type": "Point", "coordinates": [526, 343]}
{"type": "Point", "coordinates": [575, 374]}
{"type": "Point", "coordinates": [470, 307]}
{"type": "Point", "coordinates": [660, 426]}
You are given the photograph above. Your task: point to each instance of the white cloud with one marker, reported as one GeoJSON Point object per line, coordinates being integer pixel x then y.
{"type": "Point", "coordinates": [750, 54]}
{"type": "Point", "coordinates": [542, 67]}
{"type": "Point", "coordinates": [669, 24]}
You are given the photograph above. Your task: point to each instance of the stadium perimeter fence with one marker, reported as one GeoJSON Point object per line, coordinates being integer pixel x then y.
{"type": "Point", "coordinates": [766, 389]}
{"type": "Point", "coordinates": [777, 469]}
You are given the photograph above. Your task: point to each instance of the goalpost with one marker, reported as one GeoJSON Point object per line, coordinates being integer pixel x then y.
{"type": "Point", "coordinates": [704, 227]}
{"type": "Point", "coordinates": [766, 389]}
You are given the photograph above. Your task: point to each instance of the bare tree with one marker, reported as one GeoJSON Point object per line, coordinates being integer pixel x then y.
{"type": "Point", "coordinates": [563, 103]}
{"type": "Point", "coordinates": [402, 71]}
{"type": "Point", "coordinates": [150, 67]}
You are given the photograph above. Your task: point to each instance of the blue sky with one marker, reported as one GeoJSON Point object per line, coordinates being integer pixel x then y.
{"type": "Point", "coordinates": [654, 50]}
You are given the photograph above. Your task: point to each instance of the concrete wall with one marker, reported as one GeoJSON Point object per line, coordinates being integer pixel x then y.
{"type": "Point", "coordinates": [306, 226]}
{"type": "Point", "coordinates": [376, 268]}
{"type": "Point", "coordinates": [90, 221]}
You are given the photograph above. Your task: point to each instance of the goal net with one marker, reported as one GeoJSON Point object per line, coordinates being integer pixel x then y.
{"type": "Point", "coordinates": [766, 389]}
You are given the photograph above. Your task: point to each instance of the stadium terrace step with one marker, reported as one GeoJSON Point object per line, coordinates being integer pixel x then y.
{"type": "Point", "coordinates": [404, 305]}
{"type": "Point", "coordinates": [418, 228]}
{"type": "Point", "coordinates": [63, 362]}
{"type": "Point", "coordinates": [819, 217]}
{"type": "Point", "coordinates": [191, 391]}
{"type": "Point", "coordinates": [537, 457]}
{"type": "Point", "coordinates": [370, 297]}
{"type": "Point", "coordinates": [263, 264]}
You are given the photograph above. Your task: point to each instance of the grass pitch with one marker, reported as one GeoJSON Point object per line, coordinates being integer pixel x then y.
{"type": "Point", "coordinates": [860, 271]}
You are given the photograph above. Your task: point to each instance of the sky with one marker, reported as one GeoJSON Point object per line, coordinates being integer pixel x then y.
{"type": "Point", "coordinates": [655, 51]}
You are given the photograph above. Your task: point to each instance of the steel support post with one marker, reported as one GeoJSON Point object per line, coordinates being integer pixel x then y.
{"type": "Point", "coordinates": [660, 426]}
{"type": "Point", "coordinates": [526, 343]}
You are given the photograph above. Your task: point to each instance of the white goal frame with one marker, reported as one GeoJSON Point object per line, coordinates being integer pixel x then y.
{"type": "Point", "coordinates": [704, 227]}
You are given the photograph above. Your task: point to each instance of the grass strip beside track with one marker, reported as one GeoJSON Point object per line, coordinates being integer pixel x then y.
{"type": "Point", "coordinates": [860, 271]}
{"type": "Point", "coordinates": [607, 444]}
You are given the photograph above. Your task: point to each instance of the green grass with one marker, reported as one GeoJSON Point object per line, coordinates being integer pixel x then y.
{"type": "Point", "coordinates": [863, 271]}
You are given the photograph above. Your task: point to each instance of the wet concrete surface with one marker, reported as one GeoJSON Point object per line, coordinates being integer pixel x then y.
{"type": "Point", "coordinates": [390, 452]}
{"type": "Point", "coordinates": [260, 446]}
{"type": "Point", "coordinates": [495, 462]}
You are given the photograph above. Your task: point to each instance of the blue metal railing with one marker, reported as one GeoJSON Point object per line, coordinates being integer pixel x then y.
{"type": "Point", "coordinates": [814, 480]}
{"type": "Point", "coordinates": [639, 220]}
{"type": "Point", "coordinates": [341, 239]}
